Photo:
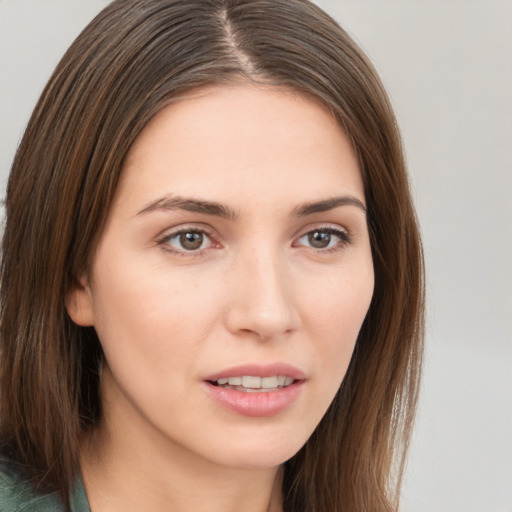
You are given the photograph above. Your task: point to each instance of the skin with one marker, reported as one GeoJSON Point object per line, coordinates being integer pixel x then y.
{"type": "Point", "coordinates": [257, 291]}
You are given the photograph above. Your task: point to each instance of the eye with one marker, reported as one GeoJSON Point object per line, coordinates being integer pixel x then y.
{"type": "Point", "coordinates": [186, 240]}
{"type": "Point", "coordinates": [324, 238]}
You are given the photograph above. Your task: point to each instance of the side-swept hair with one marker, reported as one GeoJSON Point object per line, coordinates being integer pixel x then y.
{"type": "Point", "coordinates": [134, 58]}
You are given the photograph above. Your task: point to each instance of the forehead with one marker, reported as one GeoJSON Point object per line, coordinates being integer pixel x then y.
{"type": "Point", "coordinates": [230, 140]}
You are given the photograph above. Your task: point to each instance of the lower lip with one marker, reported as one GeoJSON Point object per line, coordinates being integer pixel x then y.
{"type": "Point", "coordinates": [256, 404]}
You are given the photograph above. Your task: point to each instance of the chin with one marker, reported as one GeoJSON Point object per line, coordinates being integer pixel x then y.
{"type": "Point", "coordinates": [259, 451]}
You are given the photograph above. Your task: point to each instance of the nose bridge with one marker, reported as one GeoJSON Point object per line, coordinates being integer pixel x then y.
{"type": "Point", "coordinates": [262, 298]}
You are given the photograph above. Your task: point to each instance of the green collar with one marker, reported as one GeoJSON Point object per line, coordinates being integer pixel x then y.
{"type": "Point", "coordinates": [79, 501]}
{"type": "Point", "coordinates": [18, 495]}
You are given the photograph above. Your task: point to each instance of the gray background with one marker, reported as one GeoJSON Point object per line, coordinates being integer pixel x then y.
{"type": "Point", "coordinates": [448, 68]}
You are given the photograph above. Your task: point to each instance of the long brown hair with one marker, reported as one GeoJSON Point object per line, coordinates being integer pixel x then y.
{"type": "Point", "coordinates": [135, 57]}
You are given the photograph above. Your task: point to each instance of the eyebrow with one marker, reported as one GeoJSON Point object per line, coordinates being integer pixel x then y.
{"type": "Point", "coordinates": [190, 205]}
{"type": "Point", "coordinates": [219, 210]}
{"type": "Point", "coordinates": [327, 204]}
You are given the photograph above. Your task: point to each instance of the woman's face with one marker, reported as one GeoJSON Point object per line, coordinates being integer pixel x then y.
{"type": "Point", "coordinates": [232, 277]}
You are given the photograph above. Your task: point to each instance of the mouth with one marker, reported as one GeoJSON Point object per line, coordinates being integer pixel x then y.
{"type": "Point", "coordinates": [254, 384]}
{"type": "Point", "coordinates": [256, 390]}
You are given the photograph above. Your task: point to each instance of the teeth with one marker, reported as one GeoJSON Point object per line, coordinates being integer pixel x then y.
{"type": "Point", "coordinates": [269, 382]}
{"type": "Point", "coordinates": [253, 383]}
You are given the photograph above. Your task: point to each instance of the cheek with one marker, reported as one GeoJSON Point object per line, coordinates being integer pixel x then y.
{"type": "Point", "coordinates": [339, 301]}
{"type": "Point", "coordinates": [150, 315]}
{"type": "Point", "coordinates": [335, 316]}
{"type": "Point", "coordinates": [153, 306]}
{"type": "Point", "coordinates": [152, 328]}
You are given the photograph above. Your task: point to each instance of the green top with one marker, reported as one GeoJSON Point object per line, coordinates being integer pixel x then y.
{"type": "Point", "coordinates": [17, 495]}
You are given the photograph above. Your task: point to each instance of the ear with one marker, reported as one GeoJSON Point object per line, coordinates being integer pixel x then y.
{"type": "Point", "coordinates": [80, 303]}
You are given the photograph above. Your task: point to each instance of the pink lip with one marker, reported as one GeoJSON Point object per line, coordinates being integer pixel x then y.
{"type": "Point", "coordinates": [257, 404]}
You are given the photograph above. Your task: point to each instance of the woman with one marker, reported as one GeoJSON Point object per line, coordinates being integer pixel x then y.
{"type": "Point", "coordinates": [212, 275]}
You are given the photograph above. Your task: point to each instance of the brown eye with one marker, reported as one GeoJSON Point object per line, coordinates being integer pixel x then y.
{"type": "Point", "coordinates": [324, 238]}
{"type": "Point", "coordinates": [186, 241]}
{"type": "Point", "coordinates": [191, 241]}
{"type": "Point", "coordinates": [319, 239]}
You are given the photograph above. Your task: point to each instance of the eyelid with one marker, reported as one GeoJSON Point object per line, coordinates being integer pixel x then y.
{"type": "Point", "coordinates": [327, 226]}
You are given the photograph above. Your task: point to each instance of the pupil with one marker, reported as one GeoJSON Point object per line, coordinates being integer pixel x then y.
{"type": "Point", "coordinates": [319, 240]}
{"type": "Point", "coordinates": [191, 241]}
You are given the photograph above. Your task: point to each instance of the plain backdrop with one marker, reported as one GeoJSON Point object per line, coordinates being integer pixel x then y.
{"type": "Point", "coordinates": [447, 65]}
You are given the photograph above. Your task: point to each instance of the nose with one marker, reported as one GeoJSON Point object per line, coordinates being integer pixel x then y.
{"type": "Point", "coordinates": [262, 300]}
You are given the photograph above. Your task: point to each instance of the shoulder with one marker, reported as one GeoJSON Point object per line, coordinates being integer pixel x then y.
{"type": "Point", "coordinates": [18, 495]}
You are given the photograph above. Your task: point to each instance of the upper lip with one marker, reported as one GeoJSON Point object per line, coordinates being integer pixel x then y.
{"type": "Point", "coordinates": [259, 370]}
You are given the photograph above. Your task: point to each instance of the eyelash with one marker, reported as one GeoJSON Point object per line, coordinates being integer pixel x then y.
{"type": "Point", "coordinates": [343, 236]}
